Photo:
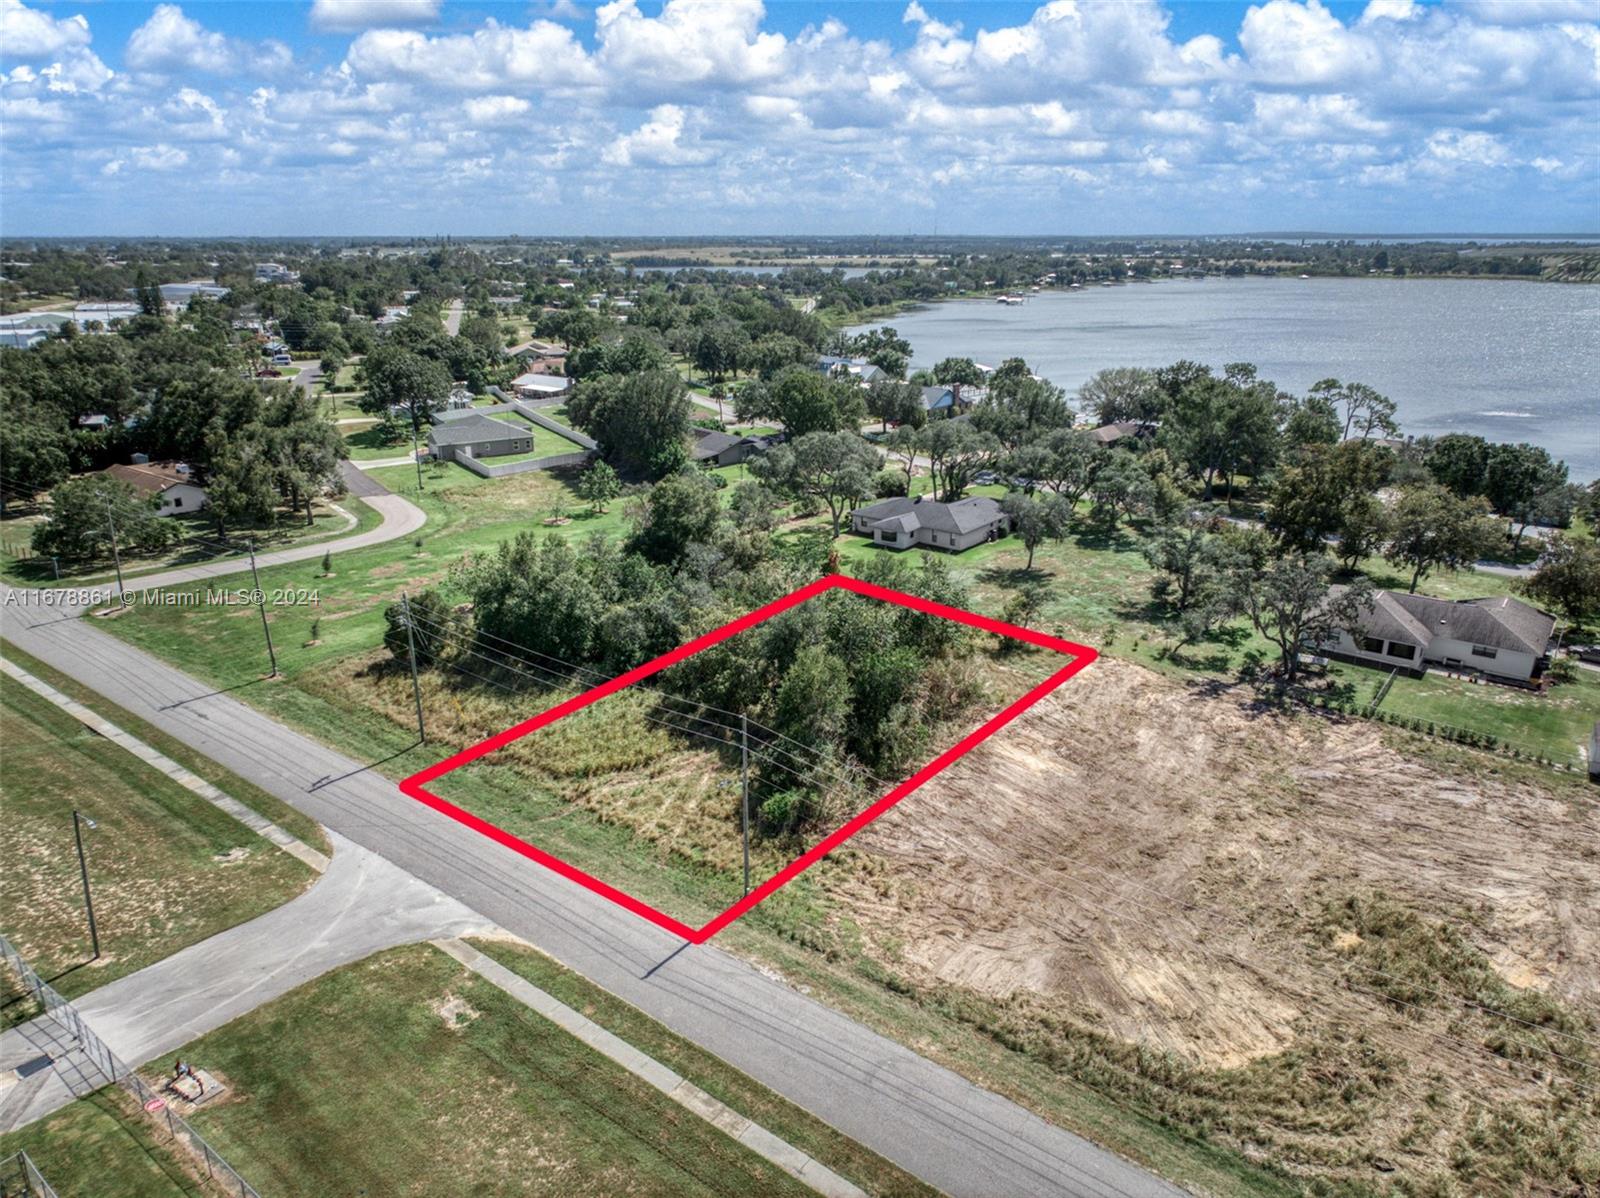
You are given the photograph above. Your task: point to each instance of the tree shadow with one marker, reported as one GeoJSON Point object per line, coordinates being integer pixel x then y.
{"type": "Point", "coordinates": [1013, 577]}
{"type": "Point", "coordinates": [1101, 537]}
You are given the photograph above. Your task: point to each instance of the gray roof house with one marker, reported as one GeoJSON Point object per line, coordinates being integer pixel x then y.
{"type": "Point", "coordinates": [1502, 638]}
{"type": "Point", "coordinates": [474, 435]}
{"type": "Point", "coordinates": [902, 523]}
{"type": "Point", "coordinates": [855, 368]}
{"type": "Point", "coordinates": [729, 449]}
{"type": "Point", "coordinates": [1110, 434]}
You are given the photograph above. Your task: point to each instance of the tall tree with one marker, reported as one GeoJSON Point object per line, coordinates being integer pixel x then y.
{"type": "Point", "coordinates": [1309, 501]}
{"type": "Point", "coordinates": [961, 371]}
{"type": "Point", "coordinates": [679, 511]}
{"type": "Point", "coordinates": [894, 402]}
{"type": "Point", "coordinates": [1460, 461]}
{"type": "Point", "coordinates": [1122, 393]}
{"type": "Point", "coordinates": [1516, 479]}
{"type": "Point", "coordinates": [85, 511]}
{"type": "Point", "coordinates": [598, 485]}
{"type": "Point", "coordinates": [836, 468]}
{"type": "Point", "coordinates": [1365, 411]}
{"type": "Point", "coordinates": [1432, 529]}
{"type": "Point", "coordinates": [400, 379]}
{"type": "Point", "coordinates": [1036, 521]}
{"type": "Point", "coordinates": [1119, 488]}
{"type": "Point", "coordinates": [1290, 602]}
{"type": "Point", "coordinates": [805, 401]}
{"type": "Point", "coordinates": [1568, 578]}
{"type": "Point", "coordinates": [640, 420]}
{"type": "Point", "coordinates": [956, 451]}
{"type": "Point", "coordinates": [1019, 407]}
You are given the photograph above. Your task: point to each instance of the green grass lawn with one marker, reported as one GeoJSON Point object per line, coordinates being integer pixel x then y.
{"type": "Point", "coordinates": [405, 1074]}
{"type": "Point", "coordinates": [368, 444]}
{"type": "Point", "coordinates": [167, 869]}
{"type": "Point", "coordinates": [296, 823]}
{"type": "Point", "coordinates": [103, 1144]}
{"type": "Point", "coordinates": [1555, 724]}
{"type": "Point", "coordinates": [545, 443]}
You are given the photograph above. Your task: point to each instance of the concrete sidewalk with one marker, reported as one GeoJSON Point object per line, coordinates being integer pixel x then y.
{"type": "Point", "coordinates": [361, 905]}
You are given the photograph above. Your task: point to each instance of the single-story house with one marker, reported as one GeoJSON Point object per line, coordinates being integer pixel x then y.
{"type": "Point", "coordinates": [1112, 434]}
{"type": "Point", "coordinates": [948, 399]}
{"type": "Point", "coordinates": [22, 338]}
{"type": "Point", "coordinates": [729, 449]}
{"type": "Point", "coordinates": [855, 368]}
{"type": "Point", "coordinates": [104, 312]}
{"type": "Point", "coordinates": [902, 523]}
{"type": "Point", "coordinates": [534, 385]}
{"type": "Point", "coordinates": [170, 483]}
{"type": "Point", "coordinates": [475, 435]}
{"type": "Point", "coordinates": [1503, 638]}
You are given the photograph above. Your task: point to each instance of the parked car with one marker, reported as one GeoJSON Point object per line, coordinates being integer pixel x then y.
{"type": "Point", "coordinates": [985, 478]}
{"type": "Point", "coordinates": [281, 360]}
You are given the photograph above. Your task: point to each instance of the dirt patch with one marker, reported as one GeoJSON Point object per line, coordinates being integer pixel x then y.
{"type": "Point", "coordinates": [1155, 862]}
{"type": "Point", "coordinates": [456, 1011]}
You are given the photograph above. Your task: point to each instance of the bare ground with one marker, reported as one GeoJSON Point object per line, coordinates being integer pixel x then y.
{"type": "Point", "coordinates": [1163, 864]}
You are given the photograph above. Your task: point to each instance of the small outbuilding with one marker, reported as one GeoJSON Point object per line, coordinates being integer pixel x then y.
{"type": "Point", "coordinates": [534, 385]}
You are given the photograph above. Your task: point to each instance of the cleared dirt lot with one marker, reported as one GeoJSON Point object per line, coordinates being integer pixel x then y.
{"type": "Point", "coordinates": [1176, 868]}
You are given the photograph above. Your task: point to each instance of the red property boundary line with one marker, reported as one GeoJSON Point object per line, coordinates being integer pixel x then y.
{"type": "Point", "coordinates": [415, 786]}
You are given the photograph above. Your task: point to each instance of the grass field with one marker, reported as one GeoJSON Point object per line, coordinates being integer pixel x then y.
{"type": "Point", "coordinates": [167, 869]}
{"type": "Point", "coordinates": [405, 1074]}
{"type": "Point", "coordinates": [367, 444]}
{"type": "Point", "coordinates": [103, 1144]}
{"type": "Point", "coordinates": [297, 824]}
{"type": "Point", "coordinates": [545, 443]}
{"type": "Point", "coordinates": [1556, 725]}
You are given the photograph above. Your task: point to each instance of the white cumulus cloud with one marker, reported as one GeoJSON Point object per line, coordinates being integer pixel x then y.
{"type": "Point", "coordinates": [351, 16]}
{"type": "Point", "coordinates": [31, 34]}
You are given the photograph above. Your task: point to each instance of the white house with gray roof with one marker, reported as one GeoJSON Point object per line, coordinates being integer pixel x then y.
{"type": "Point", "coordinates": [902, 523]}
{"type": "Point", "coordinates": [1502, 638]}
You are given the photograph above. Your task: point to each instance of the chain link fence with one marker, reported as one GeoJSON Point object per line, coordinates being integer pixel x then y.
{"type": "Point", "coordinates": [101, 1063]}
{"type": "Point", "coordinates": [20, 1178]}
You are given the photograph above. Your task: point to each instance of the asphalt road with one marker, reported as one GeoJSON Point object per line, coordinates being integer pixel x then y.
{"type": "Point", "coordinates": [948, 1131]}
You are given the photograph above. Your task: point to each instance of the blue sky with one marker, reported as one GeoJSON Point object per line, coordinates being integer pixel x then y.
{"type": "Point", "coordinates": [730, 116]}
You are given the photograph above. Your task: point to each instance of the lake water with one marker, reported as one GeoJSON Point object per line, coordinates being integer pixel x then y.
{"type": "Point", "coordinates": [1511, 361]}
{"type": "Point", "coordinates": [850, 272]}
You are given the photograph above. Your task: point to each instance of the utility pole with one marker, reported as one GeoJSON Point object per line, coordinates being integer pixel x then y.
{"type": "Point", "coordinates": [411, 650]}
{"type": "Point", "coordinates": [416, 453]}
{"type": "Point", "coordinates": [261, 605]}
{"type": "Point", "coordinates": [116, 556]}
{"type": "Point", "coordinates": [83, 867]}
{"type": "Point", "coordinates": [744, 793]}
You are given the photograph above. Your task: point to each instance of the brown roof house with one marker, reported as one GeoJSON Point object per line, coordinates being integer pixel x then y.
{"type": "Point", "coordinates": [1502, 638]}
{"type": "Point", "coordinates": [169, 483]}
